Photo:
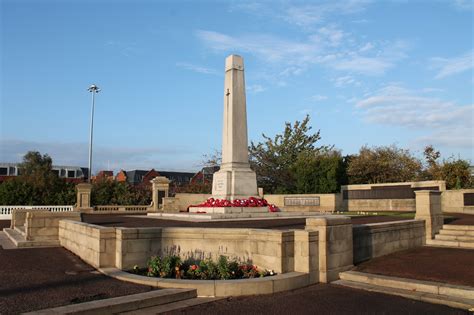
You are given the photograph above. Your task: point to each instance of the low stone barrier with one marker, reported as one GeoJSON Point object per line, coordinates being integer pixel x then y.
{"type": "Point", "coordinates": [93, 243]}
{"type": "Point", "coordinates": [378, 239]}
{"type": "Point", "coordinates": [281, 251]}
{"type": "Point", "coordinates": [44, 225]}
{"type": "Point", "coordinates": [457, 201]}
{"type": "Point", "coordinates": [181, 201]}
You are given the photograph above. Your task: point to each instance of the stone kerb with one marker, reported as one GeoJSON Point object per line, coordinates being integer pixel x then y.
{"type": "Point", "coordinates": [428, 208]}
{"type": "Point", "coordinates": [335, 245]}
{"type": "Point", "coordinates": [44, 225]}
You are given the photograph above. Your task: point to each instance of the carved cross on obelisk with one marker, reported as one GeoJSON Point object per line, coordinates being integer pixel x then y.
{"type": "Point", "coordinates": [235, 179]}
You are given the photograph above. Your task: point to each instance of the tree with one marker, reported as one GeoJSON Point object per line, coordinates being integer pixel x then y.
{"type": "Point", "coordinates": [274, 159]}
{"type": "Point", "coordinates": [106, 192]}
{"type": "Point", "coordinates": [37, 184]}
{"type": "Point", "coordinates": [383, 164]}
{"type": "Point", "coordinates": [321, 173]}
{"type": "Point", "coordinates": [456, 173]}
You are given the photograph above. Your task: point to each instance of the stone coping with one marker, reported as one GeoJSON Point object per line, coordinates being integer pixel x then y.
{"type": "Point", "coordinates": [219, 288]}
{"type": "Point", "coordinates": [197, 217]}
{"type": "Point", "coordinates": [128, 303]}
{"type": "Point", "coordinates": [390, 224]}
{"type": "Point", "coordinates": [432, 287]}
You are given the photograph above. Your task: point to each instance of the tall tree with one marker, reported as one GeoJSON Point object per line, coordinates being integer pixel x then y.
{"type": "Point", "coordinates": [383, 164]}
{"type": "Point", "coordinates": [274, 159]}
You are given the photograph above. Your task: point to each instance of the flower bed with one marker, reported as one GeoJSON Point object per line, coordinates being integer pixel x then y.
{"type": "Point", "coordinates": [250, 202]}
{"type": "Point", "coordinates": [224, 269]}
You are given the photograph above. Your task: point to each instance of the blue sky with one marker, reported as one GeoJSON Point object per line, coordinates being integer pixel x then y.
{"type": "Point", "coordinates": [367, 72]}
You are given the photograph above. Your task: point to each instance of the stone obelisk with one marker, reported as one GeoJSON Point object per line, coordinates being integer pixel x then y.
{"type": "Point", "coordinates": [235, 179]}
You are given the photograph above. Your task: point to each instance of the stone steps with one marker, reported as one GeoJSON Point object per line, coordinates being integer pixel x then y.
{"type": "Point", "coordinates": [428, 291]}
{"type": "Point", "coordinates": [21, 230]}
{"type": "Point", "coordinates": [453, 244]}
{"type": "Point", "coordinates": [458, 227]}
{"type": "Point", "coordinates": [445, 237]}
{"type": "Point", "coordinates": [125, 304]}
{"type": "Point", "coordinates": [456, 232]}
{"type": "Point", "coordinates": [19, 240]}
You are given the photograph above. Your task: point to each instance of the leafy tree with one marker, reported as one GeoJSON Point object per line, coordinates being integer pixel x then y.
{"type": "Point", "coordinates": [383, 164]}
{"type": "Point", "coordinates": [106, 192]}
{"type": "Point", "coordinates": [323, 172]}
{"type": "Point", "coordinates": [274, 159]}
{"type": "Point", "coordinates": [37, 184]}
{"type": "Point", "coordinates": [456, 173]}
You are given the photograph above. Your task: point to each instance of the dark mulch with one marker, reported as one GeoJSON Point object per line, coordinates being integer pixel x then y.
{"type": "Point", "coordinates": [33, 279]}
{"type": "Point", "coordinates": [4, 224]}
{"type": "Point", "coordinates": [320, 299]}
{"type": "Point", "coordinates": [280, 224]}
{"type": "Point", "coordinates": [449, 265]}
{"type": "Point", "coordinates": [459, 219]}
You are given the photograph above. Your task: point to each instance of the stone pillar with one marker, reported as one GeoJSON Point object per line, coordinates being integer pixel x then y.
{"type": "Point", "coordinates": [235, 179]}
{"type": "Point", "coordinates": [160, 190]}
{"type": "Point", "coordinates": [306, 254]}
{"type": "Point", "coordinates": [83, 200]}
{"type": "Point", "coordinates": [428, 208]}
{"type": "Point", "coordinates": [335, 245]}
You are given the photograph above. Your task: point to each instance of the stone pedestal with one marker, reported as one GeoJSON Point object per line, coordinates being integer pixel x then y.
{"type": "Point", "coordinates": [160, 190]}
{"type": "Point", "coordinates": [228, 210]}
{"type": "Point", "coordinates": [335, 245]}
{"type": "Point", "coordinates": [83, 197]}
{"type": "Point", "coordinates": [235, 179]}
{"type": "Point", "coordinates": [428, 208]}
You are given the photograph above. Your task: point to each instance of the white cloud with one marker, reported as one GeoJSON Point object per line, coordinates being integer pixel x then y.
{"type": "Point", "coordinates": [346, 80]}
{"type": "Point", "coordinates": [463, 4]}
{"type": "Point", "coordinates": [327, 47]}
{"type": "Point", "coordinates": [198, 69]}
{"type": "Point", "coordinates": [120, 157]}
{"type": "Point", "coordinates": [451, 66]}
{"type": "Point", "coordinates": [397, 106]}
{"type": "Point", "coordinates": [255, 88]}
{"type": "Point", "coordinates": [307, 15]}
{"type": "Point", "coordinates": [318, 98]}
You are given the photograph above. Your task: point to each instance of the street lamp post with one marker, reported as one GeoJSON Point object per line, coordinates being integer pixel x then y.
{"type": "Point", "coordinates": [93, 89]}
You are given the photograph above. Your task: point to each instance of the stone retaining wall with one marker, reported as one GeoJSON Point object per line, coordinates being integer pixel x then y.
{"type": "Point", "coordinates": [453, 201]}
{"type": "Point", "coordinates": [44, 225]}
{"type": "Point", "coordinates": [181, 202]}
{"type": "Point", "coordinates": [94, 244]}
{"type": "Point", "coordinates": [378, 239]}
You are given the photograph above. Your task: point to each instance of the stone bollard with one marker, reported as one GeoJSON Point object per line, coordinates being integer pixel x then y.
{"type": "Point", "coordinates": [160, 190]}
{"type": "Point", "coordinates": [83, 200]}
{"type": "Point", "coordinates": [335, 245]}
{"type": "Point", "coordinates": [428, 208]}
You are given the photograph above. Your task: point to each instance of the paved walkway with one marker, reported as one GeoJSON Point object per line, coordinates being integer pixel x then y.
{"type": "Point", "coordinates": [449, 265]}
{"type": "Point", "coordinates": [320, 299]}
{"type": "Point", "coordinates": [32, 279]}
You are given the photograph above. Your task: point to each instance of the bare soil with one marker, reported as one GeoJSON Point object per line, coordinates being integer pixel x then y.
{"type": "Point", "coordinates": [320, 299]}
{"type": "Point", "coordinates": [449, 265]}
{"type": "Point", "coordinates": [33, 279]}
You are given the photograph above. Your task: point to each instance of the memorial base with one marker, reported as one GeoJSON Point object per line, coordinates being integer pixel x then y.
{"type": "Point", "coordinates": [228, 210]}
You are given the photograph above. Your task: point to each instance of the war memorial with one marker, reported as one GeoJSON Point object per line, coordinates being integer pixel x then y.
{"type": "Point", "coordinates": [279, 244]}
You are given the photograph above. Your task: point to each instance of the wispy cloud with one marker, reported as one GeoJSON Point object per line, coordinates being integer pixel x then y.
{"type": "Point", "coordinates": [307, 15]}
{"type": "Point", "coordinates": [451, 66]}
{"type": "Point", "coordinates": [255, 88]}
{"type": "Point", "coordinates": [318, 98]}
{"type": "Point", "coordinates": [463, 4]}
{"type": "Point", "coordinates": [397, 106]}
{"type": "Point", "coordinates": [13, 150]}
{"type": "Point", "coordinates": [196, 68]}
{"type": "Point", "coordinates": [328, 47]}
{"type": "Point", "coordinates": [344, 81]}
